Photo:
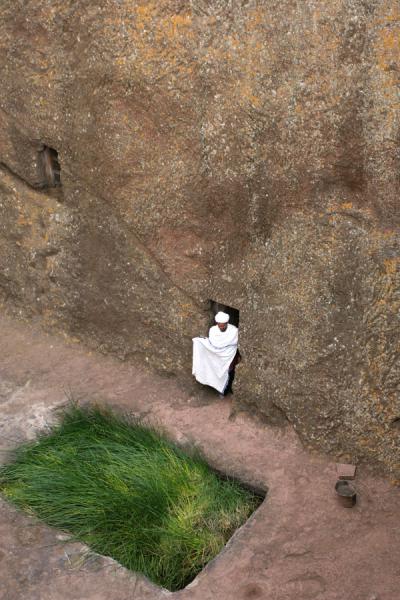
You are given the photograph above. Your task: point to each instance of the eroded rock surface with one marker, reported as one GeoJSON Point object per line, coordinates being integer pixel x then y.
{"type": "Point", "coordinates": [245, 152]}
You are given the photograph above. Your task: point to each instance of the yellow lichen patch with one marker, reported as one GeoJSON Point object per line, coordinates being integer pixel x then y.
{"type": "Point", "coordinates": [246, 93]}
{"type": "Point", "coordinates": [164, 54]}
{"type": "Point", "coordinates": [181, 20]}
{"type": "Point", "coordinates": [175, 26]}
{"type": "Point", "coordinates": [387, 48]}
{"type": "Point", "coordinates": [391, 40]}
{"type": "Point", "coordinates": [186, 310]}
{"type": "Point", "coordinates": [389, 13]}
{"type": "Point", "coordinates": [388, 233]}
{"type": "Point", "coordinates": [146, 11]}
{"type": "Point", "coordinates": [23, 220]}
{"type": "Point", "coordinates": [234, 42]}
{"type": "Point", "coordinates": [256, 17]}
{"type": "Point", "coordinates": [390, 265]}
{"type": "Point", "coordinates": [346, 205]}
{"type": "Point", "coordinates": [144, 15]}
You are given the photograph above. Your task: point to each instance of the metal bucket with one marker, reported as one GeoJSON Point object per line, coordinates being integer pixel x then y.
{"type": "Point", "coordinates": [346, 493]}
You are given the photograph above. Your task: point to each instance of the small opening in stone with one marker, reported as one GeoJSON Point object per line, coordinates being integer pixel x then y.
{"type": "Point", "coordinates": [232, 312]}
{"type": "Point", "coordinates": [50, 167]}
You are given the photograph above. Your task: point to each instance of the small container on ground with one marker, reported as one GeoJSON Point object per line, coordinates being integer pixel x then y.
{"type": "Point", "coordinates": [345, 471]}
{"type": "Point", "coordinates": [346, 493]}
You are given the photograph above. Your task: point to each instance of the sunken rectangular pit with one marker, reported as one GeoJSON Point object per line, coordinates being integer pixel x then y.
{"type": "Point", "coordinates": [129, 493]}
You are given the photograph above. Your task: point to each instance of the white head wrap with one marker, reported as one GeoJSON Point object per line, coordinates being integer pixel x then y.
{"type": "Point", "coordinates": [221, 317]}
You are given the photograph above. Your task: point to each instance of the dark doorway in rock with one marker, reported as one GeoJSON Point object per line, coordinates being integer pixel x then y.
{"type": "Point", "coordinates": [49, 165]}
{"type": "Point", "coordinates": [232, 312]}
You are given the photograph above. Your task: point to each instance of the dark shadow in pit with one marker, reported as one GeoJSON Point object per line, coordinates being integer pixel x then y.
{"type": "Point", "coordinates": [215, 307]}
{"type": "Point", "coordinates": [49, 166]}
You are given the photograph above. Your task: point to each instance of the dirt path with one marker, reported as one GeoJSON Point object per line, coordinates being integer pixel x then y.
{"type": "Point", "coordinates": [299, 545]}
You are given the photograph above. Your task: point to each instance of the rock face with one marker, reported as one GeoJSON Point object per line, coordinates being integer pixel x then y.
{"type": "Point", "coordinates": [241, 152]}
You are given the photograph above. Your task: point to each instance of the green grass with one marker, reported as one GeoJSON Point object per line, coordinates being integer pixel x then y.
{"type": "Point", "coordinates": [128, 493]}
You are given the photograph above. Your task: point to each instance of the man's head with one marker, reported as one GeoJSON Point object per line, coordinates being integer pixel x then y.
{"type": "Point", "coordinates": [221, 320]}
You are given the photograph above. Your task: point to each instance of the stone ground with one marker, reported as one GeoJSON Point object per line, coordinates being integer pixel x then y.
{"type": "Point", "coordinates": [300, 544]}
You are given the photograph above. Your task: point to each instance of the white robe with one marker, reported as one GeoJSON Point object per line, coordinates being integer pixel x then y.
{"type": "Point", "coordinates": [213, 355]}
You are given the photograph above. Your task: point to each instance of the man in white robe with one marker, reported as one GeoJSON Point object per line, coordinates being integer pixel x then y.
{"type": "Point", "coordinates": [215, 357]}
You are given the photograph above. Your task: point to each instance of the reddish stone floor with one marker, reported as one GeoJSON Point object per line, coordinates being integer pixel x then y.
{"type": "Point", "coordinates": [299, 545]}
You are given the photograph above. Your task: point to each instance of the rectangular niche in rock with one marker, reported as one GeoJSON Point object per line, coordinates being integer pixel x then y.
{"type": "Point", "coordinates": [233, 313]}
{"type": "Point", "coordinates": [129, 493]}
{"type": "Point", "coordinates": [49, 166]}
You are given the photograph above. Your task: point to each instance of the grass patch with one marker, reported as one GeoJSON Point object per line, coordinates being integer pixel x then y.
{"type": "Point", "coordinates": [128, 493]}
